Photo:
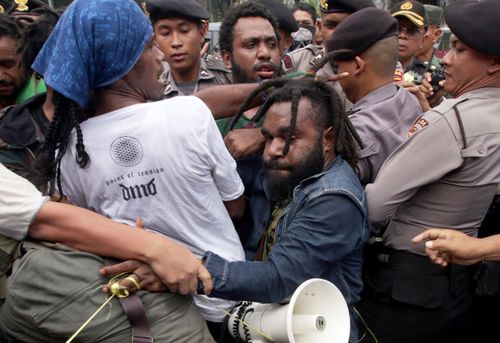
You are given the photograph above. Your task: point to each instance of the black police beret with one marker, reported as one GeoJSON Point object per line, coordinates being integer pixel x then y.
{"type": "Point", "coordinates": [413, 10]}
{"type": "Point", "coordinates": [286, 21]}
{"type": "Point", "coordinates": [349, 6]}
{"type": "Point", "coordinates": [162, 9]}
{"type": "Point", "coordinates": [475, 24]}
{"type": "Point", "coordinates": [360, 31]}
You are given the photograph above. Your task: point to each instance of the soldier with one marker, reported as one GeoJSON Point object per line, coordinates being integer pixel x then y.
{"type": "Point", "coordinates": [180, 27]}
{"type": "Point", "coordinates": [445, 175]}
{"type": "Point", "coordinates": [383, 111]}
{"type": "Point", "coordinates": [431, 37]}
{"type": "Point", "coordinates": [413, 23]}
{"type": "Point", "coordinates": [286, 23]}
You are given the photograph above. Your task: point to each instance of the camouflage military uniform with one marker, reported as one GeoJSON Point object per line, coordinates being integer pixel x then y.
{"type": "Point", "coordinates": [212, 72]}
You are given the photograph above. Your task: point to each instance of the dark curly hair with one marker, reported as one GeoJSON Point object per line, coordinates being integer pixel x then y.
{"type": "Point", "coordinates": [34, 36]}
{"type": "Point", "coordinates": [327, 110]}
{"type": "Point", "coordinates": [9, 27]}
{"type": "Point", "coordinates": [247, 9]}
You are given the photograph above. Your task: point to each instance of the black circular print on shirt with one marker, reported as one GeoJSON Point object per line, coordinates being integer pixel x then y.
{"type": "Point", "coordinates": [126, 151]}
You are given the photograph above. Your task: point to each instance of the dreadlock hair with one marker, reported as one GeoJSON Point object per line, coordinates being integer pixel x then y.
{"type": "Point", "coordinates": [244, 10]}
{"type": "Point", "coordinates": [67, 115]}
{"type": "Point", "coordinates": [9, 27]}
{"type": "Point", "coordinates": [328, 110]}
{"type": "Point", "coordinates": [34, 36]}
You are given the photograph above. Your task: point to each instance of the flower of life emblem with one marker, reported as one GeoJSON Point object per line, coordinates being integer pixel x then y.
{"type": "Point", "coordinates": [126, 151]}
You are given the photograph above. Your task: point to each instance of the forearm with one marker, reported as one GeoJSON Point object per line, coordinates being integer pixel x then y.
{"type": "Point", "coordinates": [246, 280]}
{"type": "Point", "coordinates": [88, 231]}
{"type": "Point", "coordinates": [489, 248]}
{"type": "Point", "coordinates": [224, 101]}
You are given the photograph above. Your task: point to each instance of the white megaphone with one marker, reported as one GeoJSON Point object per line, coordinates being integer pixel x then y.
{"type": "Point", "coordinates": [317, 313]}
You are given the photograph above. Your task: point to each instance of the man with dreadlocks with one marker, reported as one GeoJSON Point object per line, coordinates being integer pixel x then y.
{"type": "Point", "coordinates": [365, 45]}
{"type": "Point", "coordinates": [318, 224]}
{"type": "Point", "coordinates": [175, 175]}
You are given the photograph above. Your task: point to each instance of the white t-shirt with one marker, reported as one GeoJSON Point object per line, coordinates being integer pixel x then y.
{"type": "Point", "coordinates": [166, 163]}
{"type": "Point", "coordinates": [20, 203]}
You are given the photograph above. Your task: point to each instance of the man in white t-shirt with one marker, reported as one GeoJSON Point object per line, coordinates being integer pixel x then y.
{"type": "Point", "coordinates": [24, 212]}
{"type": "Point", "coordinates": [164, 162]}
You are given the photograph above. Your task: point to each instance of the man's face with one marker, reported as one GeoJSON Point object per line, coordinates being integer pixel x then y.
{"type": "Point", "coordinates": [410, 40]}
{"type": "Point", "coordinates": [329, 22]}
{"type": "Point", "coordinates": [305, 157]}
{"type": "Point", "coordinates": [255, 53]}
{"type": "Point", "coordinates": [180, 40]}
{"type": "Point", "coordinates": [144, 76]}
{"type": "Point", "coordinates": [12, 76]}
{"type": "Point", "coordinates": [465, 68]}
{"type": "Point", "coordinates": [303, 18]}
{"type": "Point", "coordinates": [431, 37]}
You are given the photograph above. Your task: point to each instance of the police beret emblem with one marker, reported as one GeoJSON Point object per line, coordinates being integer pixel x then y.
{"type": "Point", "coordinates": [406, 6]}
{"type": "Point", "coordinates": [2, 10]}
{"type": "Point", "coordinates": [21, 5]}
{"type": "Point", "coordinates": [323, 4]}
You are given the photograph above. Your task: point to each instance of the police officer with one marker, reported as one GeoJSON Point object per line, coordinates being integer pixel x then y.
{"type": "Point", "coordinates": [180, 27]}
{"type": "Point", "coordinates": [286, 23]}
{"type": "Point", "coordinates": [383, 112]}
{"type": "Point", "coordinates": [332, 13]}
{"type": "Point", "coordinates": [413, 22]}
{"type": "Point", "coordinates": [445, 175]}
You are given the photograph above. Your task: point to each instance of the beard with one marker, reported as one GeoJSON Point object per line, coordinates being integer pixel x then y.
{"type": "Point", "coordinates": [240, 75]}
{"type": "Point", "coordinates": [278, 187]}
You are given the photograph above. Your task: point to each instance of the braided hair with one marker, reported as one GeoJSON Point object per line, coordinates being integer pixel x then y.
{"type": "Point", "coordinates": [327, 108]}
{"type": "Point", "coordinates": [67, 115]}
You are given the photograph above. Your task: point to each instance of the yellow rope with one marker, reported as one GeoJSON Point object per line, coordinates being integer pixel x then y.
{"type": "Point", "coordinates": [122, 292]}
{"type": "Point", "coordinates": [116, 291]}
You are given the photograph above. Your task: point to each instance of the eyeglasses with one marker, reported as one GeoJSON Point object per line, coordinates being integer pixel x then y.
{"type": "Point", "coordinates": [410, 31]}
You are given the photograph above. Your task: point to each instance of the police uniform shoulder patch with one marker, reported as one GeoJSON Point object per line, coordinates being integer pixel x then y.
{"type": "Point", "coordinates": [419, 125]}
{"type": "Point", "coordinates": [287, 61]}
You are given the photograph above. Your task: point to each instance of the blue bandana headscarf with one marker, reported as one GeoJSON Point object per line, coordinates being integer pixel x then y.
{"type": "Point", "coordinates": [94, 44]}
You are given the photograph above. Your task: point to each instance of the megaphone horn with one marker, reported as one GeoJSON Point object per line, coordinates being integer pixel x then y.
{"type": "Point", "coordinates": [317, 312]}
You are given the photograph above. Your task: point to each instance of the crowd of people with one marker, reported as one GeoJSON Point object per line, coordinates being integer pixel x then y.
{"type": "Point", "coordinates": [338, 146]}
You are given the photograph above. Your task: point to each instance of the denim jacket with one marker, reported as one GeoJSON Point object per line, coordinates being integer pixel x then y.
{"type": "Point", "coordinates": [320, 235]}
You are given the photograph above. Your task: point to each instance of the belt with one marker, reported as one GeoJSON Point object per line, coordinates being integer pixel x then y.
{"type": "Point", "coordinates": [404, 261]}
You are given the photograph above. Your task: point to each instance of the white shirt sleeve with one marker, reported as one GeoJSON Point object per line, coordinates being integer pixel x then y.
{"type": "Point", "coordinates": [70, 184]}
{"type": "Point", "coordinates": [223, 165]}
{"type": "Point", "coordinates": [20, 203]}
